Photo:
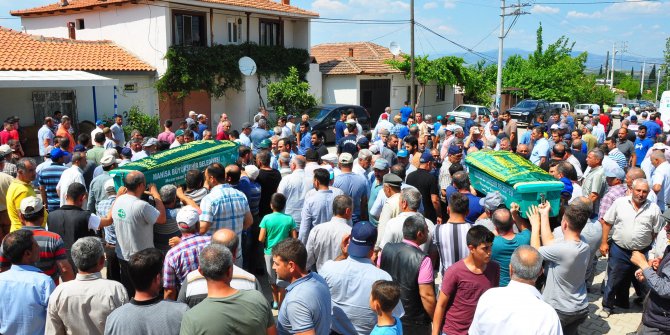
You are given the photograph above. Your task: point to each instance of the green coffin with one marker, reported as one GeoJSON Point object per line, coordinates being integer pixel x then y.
{"type": "Point", "coordinates": [517, 179]}
{"type": "Point", "coordinates": [170, 166]}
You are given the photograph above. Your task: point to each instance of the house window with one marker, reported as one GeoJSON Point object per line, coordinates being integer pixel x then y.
{"type": "Point", "coordinates": [233, 31]}
{"type": "Point", "coordinates": [440, 93]}
{"type": "Point", "coordinates": [270, 33]}
{"type": "Point", "coordinates": [189, 29]}
{"type": "Point", "coordinates": [80, 24]}
{"type": "Point", "coordinates": [130, 88]}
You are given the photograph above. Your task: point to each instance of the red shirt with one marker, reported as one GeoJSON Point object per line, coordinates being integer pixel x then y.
{"type": "Point", "coordinates": [52, 249]}
{"type": "Point", "coordinates": [604, 120]}
{"type": "Point", "coordinates": [4, 136]}
{"type": "Point", "coordinates": [222, 136]}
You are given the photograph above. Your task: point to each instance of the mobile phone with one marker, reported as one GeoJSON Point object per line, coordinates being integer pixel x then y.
{"type": "Point", "coordinates": [543, 200]}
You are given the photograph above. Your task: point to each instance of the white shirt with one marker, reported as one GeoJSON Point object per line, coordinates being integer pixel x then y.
{"type": "Point", "coordinates": [516, 309]}
{"type": "Point", "coordinates": [109, 144]}
{"type": "Point", "coordinates": [293, 188]}
{"type": "Point", "coordinates": [95, 131]}
{"type": "Point", "coordinates": [73, 174]}
{"type": "Point", "coordinates": [244, 140]}
{"type": "Point", "coordinates": [661, 176]}
{"type": "Point", "coordinates": [175, 144]}
{"type": "Point", "coordinates": [357, 169]}
{"type": "Point", "coordinates": [393, 231]}
{"type": "Point", "coordinates": [139, 155]}
{"type": "Point", "coordinates": [578, 166]}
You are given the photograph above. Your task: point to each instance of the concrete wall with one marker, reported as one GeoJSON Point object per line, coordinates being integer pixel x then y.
{"type": "Point", "coordinates": [340, 90]}
{"type": "Point", "coordinates": [142, 30]}
{"type": "Point", "coordinates": [315, 80]}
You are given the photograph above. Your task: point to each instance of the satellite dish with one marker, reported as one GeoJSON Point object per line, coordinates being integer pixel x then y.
{"type": "Point", "coordinates": [247, 66]}
{"type": "Point", "coordinates": [394, 48]}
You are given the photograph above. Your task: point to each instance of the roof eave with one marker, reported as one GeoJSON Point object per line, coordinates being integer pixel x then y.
{"type": "Point", "coordinates": [243, 9]}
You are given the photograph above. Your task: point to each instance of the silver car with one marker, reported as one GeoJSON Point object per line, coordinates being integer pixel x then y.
{"type": "Point", "coordinates": [463, 112]}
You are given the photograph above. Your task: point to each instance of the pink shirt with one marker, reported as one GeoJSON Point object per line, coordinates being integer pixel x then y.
{"type": "Point", "coordinates": [425, 270]}
{"type": "Point", "coordinates": [166, 136]}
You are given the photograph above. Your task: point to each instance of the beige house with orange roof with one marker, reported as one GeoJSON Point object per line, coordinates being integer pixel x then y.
{"type": "Point", "coordinates": [357, 73]}
{"type": "Point", "coordinates": [147, 28]}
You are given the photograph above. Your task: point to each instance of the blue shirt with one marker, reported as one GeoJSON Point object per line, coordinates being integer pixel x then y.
{"type": "Point", "coordinates": [252, 191]}
{"type": "Point", "coordinates": [475, 209]}
{"type": "Point", "coordinates": [340, 126]}
{"type": "Point", "coordinates": [502, 250]}
{"type": "Point", "coordinates": [641, 148]}
{"type": "Point", "coordinates": [436, 127]}
{"type": "Point", "coordinates": [25, 292]}
{"type": "Point", "coordinates": [224, 207]}
{"type": "Point", "coordinates": [350, 282]}
{"type": "Point", "coordinates": [396, 329]}
{"type": "Point", "coordinates": [525, 138]}
{"type": "Point", "coordinates": [402, 131]}
{"type": "Point", "coordinates": [468, 124]}
{"type": "Point", "coordinates": [405, 112]}
{"type": "Point", "coordinates": [355, 186]}
{"type": "Point", "coordinates": [306, 306]}
{"type": "Point", "coordinates": [49, 178]}
{"type": "Point", "coordinates": [653, 129]}
{"type": "Point", "coordinates": [257, 135]}
{"type": "Point", "coordinates": [305, 143]}
{"type": "Point", "coordinates": [201, 127]}
{"type": "Point", "coordinates": [540, 149]}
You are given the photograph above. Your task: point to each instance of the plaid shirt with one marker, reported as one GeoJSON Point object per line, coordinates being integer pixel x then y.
{"type": "Point", "coordinates": [613, 193]}
{"type": "Point", "coordinates": [102, 208]}
{"type": "Point", "coordinates": [224, 207]}
{"type": "Point", "coordinates": [182, 259]}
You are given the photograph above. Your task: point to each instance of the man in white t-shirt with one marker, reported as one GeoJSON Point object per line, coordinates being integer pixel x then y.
{"type": "Point", "coordinates": [660, 178]}
{"type": "Point", "coordinates": [74, 174]}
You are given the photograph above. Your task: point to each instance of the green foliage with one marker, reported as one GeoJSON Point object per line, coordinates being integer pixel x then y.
{"type": "Point", "coordinates": [290, 95]}
{"type": "Point", "coordinates": [215, 69]}
{"type": "Point", "coordinates": [446, 70]}
{"type": "Point", "coordinates": [480, 83]}
{"type": "Point", "coordinates": [149, 126]}
{"type": "Point", "coordinates": [630, 85]}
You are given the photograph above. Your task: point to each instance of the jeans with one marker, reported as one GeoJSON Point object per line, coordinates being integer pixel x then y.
{"type": "Point", "coordinates": [125, 278]}
{"type": "Point", "coordinates": [620, 274]}
{"type": "Point", "coordinates": [644, 330]}
{"type": "Point", "coordinates": [162, 241]}
{"type": "Point", "coordinates": [570, 321]}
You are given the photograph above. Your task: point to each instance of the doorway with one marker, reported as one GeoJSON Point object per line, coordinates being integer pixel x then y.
{"type": "Point", "coordinates": [375, 96]}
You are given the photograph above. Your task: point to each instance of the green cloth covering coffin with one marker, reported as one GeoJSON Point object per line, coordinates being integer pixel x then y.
{"type": "Point", "coordinates": [517, 179]}
{"type": "Point", "coordinates": [170, 166]}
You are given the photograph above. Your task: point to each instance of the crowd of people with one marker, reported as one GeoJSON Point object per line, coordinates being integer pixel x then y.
{"type": "Point", "coordinates": [351, 242]}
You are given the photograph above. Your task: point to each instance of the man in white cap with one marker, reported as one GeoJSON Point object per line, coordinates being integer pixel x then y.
{"type": "Point", "coordinates": [180, 260]}
{"type": "Point", "coordinates": [192, 115]}
{"type": "Point", "coordinates": [97, 190]}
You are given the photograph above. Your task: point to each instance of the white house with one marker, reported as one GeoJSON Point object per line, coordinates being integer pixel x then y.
{"type": "Point", "coordinates": [357, 73]}
{"type": "Point", "coordinates": [147, 28]}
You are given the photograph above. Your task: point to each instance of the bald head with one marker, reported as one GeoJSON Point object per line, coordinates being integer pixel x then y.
{"type": "Point", "coordinates": [227, 238]}
{"type": "Point", "coordinates": [525, 264]}
{"type": "Point", "coordinates": [657, 157]}
{"type": "Point", "coordinates": [634, 173]}
{"type": "Point", "coordinates": [502, 220]}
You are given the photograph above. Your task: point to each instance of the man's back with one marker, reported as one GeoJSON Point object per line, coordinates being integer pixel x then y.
{"type": "Point", "coordinates": [502, 250]}
{"type": "Point", "coordinates": [427, 184]}
{"type": "Point", "coordinates": [49, 178]}
{"type": "Point", "coordinates": [133, 221]}
{"type": "Point", "coordinates": [450, 239]}
{"type": "Point", "coordinates": [194, 288]}
{"type": "Point", "coordinates": [565, 289]}
{"type": "Point", "coordinates": [224, 207]}
{"type": "Point", "coordinates": [25, 294]}
{"type": "Point", "coordinates": [355, 186]}
{"type": "Point", "coordinates": [244, 312]}
{"type": "Point", "coordinates": [52, 250]}
{"type": "Point", "coordinates": [324, 241]}
{"type": "Point", "coordinates": [81, 306]}
{"type": "Point", "coordinates": [307, 305]}
{"type": "Point", "coordinates": [151, 317]}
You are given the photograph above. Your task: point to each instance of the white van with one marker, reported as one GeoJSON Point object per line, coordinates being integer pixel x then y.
{"type": "Point", "coordinates": [664, 109]}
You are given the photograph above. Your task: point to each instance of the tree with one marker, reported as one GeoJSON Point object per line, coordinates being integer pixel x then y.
{"type": "Point", "coordinates": [446, 70]}
{"type": "Point", "coordinates": [630, 85]}
{"type": "Point", "coordinates": [652, 74]}
{"type": "Point", "coordinates": [600, 73]}
{"type": "Point", "coordinates": [480, 83]}
{"type": "Point", "coordinates": [632, 72]}
{"type": "Point", "coordinates": [290, 95]}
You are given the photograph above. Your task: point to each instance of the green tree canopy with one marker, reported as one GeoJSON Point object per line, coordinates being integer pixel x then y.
{"type": "Point", "coordinates": [446, 70]}
{"type": "Point", "coordinates": [290, 95]}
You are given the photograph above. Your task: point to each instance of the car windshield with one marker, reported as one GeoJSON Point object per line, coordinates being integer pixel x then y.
{"type": "Point", "coordinates": [468, 109]}
{"type": "Point", "coordinates": [320, 113]}
{"type": "Point", "coordinates": [583, 106]}
{"type": "Point", "coordinates": [527, 104]}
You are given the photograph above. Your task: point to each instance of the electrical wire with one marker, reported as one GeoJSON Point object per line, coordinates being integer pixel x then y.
{"type": "Point", "coordinates": [594, 2]}
{"type": "Point", "coordinates": [481, 55]}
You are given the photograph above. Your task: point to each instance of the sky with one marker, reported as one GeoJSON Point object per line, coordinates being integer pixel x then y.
{"type": "Point", "coordinates": [594, 25]}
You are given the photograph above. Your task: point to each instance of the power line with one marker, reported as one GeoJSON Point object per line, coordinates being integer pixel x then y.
{"type": "Point", "coordinates": [594, 2]}
{"type": "Point", "coordinates": [387, 34]}
{"type": "Point", "coordinates": [481, 55]}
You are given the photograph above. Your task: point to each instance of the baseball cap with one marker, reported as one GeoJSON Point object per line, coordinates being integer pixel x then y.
{"type": "Point", "coordinates": [290, 116]}
{"type": "Point", "coordinates": [374, 149]}
{"type": "Point", "coordinates": [179, 133]}
{"type": "Point", "coordinates": [346, 158]}
{"type": "Point", "coordinates": [246, 125]}
{"type": "Point", "coordinates": [439, 117]}
{"type": "Point", "coordinates": [351, 121]}
{"type": "Point", "coordinates": [187, 217]}
{"type": "Point", "coordinates": [554, 126]}
{"type": "Point", "coordinates": [192, 113]}
{"type": "Point", "coordinates": [363, 141]}
{"type": "Point", "coordinates": [99, 123]}
{"type": "Point", "coordinates": [454, 150]}
{"type": "Point", "coordinates": [363, 238]}
{"type": "Point", "coordinates": [385, 116]}
{"type": "Point", "coordinates": [266, 143]}
{"type": "Point", "coordinates": [392, 180]}
{"type": "Point", "coordinates": [384, 131]}
{"type": "Point", "coordinates": [452, 118]}
{"type": "Point", "coordinates": [658, 146]}
{"type": "Point", "coordinates": [107, 160]}
{"type": "Point", "coordinates": [200, 116]}
{"type": "Point", "coordinates": [126, 152]}
{"type": "Point", "coordinates": [567, 187]}
{"type": "Point", "coordinates": [150, 141]}
{"type": "Point", "coordinates": [79, 148]}
{"type": "Point", "coordinates": [633, 117]}
{"type": "Point", "coordinates": [251, 171]}
{"type": "Point", "coordinates": [57, 153]}
{"type": "Point", "coordinates": [617, 173]}
{"type": "Point", "coordinates": [403, 153]}
{"type": "Point", "coordinates": [589, 127]}
{"type": "Point", "coordinates": [495, 127]}
{"type": "Point", "coordinates": [109, 186]}
{"type": "Point", "coordinates": [426, 157]}
{"type": "Point", "coordinates": [31, 205]}
{"type": "Point", "coordinates": [5, 150]}
{"type": "Point", "coordinates": [491, 201]}
{"type": "Point", "coordinates": [562, 126]}
{"type": "Point", "coordinates": [331, 158]}
{"type": "Point", "coordinates": [381, 164]}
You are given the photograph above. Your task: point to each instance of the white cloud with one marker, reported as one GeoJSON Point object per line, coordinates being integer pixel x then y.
{"type": "Point", "coordinates": [447, 29]}
{"type": "Point", "coordinates": [656, 26]}
{"type": "Point", "coordinates": [449, 4]}
{"type": "Point", "coordinates": [539, 9]}
{"type": "Point", "coordinates": [328, 5]}
{"type": "Point", "coordinates": [626, 9]}
{"type": "Point", "coordinates": [573, 14]}
{"type": "Point", "coordinates": [430, 5]}
{"type": "Point", "coordinates": [589, 29]}
{"type": "Point", "coordinates": [399, 4]}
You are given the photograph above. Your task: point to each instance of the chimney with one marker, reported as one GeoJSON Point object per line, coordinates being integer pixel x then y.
{"type": "Point", "coordinates": [63, 3]}
{"type": "Point", "coordinates": [286, 2]}
{"type": "Point", "coordinates": [351, 52]}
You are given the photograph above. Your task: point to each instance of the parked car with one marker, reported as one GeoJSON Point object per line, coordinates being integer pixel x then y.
{"type": "Point", "coordinates": [527, 110]}
{"type": "Point", "coordinates": [633, 105]}
{"type": "Point", "coordinates": [559, 105]}
{"type": "Point", "coordinates": [647, 106]}
{"type": "Point", "coordinates": [463, 112]}
{"type": "Point", "coordinates": [323, 119]}
{"type": "Point", "coordinates": [616, 110]}
{"type": "Point", "coordinates": [582, 110]}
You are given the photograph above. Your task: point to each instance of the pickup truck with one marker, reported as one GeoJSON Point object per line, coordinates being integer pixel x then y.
{"type": "Point", "coordinates": [527, 110]}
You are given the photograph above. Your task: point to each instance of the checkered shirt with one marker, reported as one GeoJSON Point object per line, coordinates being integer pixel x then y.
{"type": "Point", "coordinates": [613, 193]}
{"type": "Point", "coordinates": [102, 208]}
{"type": "Point", "coordinates": [224, 207]}
{"type": "Point", "coordinates": [182, 259]}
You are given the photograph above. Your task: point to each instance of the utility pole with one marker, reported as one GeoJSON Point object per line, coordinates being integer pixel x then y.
{"type": "Point", "coordinates": [517, 11]}
{"type": "Point", "coordinates": [412, 89]}
{"type": "Point", "coordinates": [644, 65]}
{"type": "Point", "coordinates": [658, 81]}
{"type": "Point", "coordinates": [614, 51]}
{"type": "Point", "coordinates": [607, 66]}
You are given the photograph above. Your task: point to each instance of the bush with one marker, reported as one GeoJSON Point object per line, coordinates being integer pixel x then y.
{"type": "Point", "coordinates": [290, 95]}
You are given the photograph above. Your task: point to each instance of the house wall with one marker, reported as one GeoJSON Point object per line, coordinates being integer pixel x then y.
{"type": "Point", "coordinates": [142, 30]}
{"type": "Point", "coordinates": [315, 80]}
{"type": "Point", "coordinates": [340, 90]}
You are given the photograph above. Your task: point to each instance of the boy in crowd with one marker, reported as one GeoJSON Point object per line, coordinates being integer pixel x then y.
{"type": "Point", "coordinates": [384, 296]}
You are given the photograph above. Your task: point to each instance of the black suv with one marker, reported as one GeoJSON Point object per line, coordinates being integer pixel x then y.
{"type": "Point", "coordinates": [323, 119]}
{"type": "Point", "coordinates": [527, 110]}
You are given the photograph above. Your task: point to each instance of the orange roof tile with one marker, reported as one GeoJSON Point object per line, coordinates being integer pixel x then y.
{"type": "Point", "coordinates": [21, 52]}
{"type": "Point", "coordinates": [368, 58]}
{"type": "Point", "coordinates": [265, 5]}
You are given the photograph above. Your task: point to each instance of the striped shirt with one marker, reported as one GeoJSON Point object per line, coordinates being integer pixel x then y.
{"type": "Point", "coordinates": [102, 208]}
{"type": "Point", "coordinates": [619, 158]}
{"type": "Point", "coordinates": [450, 240]}
{"type": "Point", "coordinates": [182, 259]}
{"type": "Point", "coordinates": [613, 193]}
{"type": "Point", "coordinates": [52, 250]}
{"type": "Point", "coordinates": [224, 207]}
{"type": "Point", "coordinates": [48, 178]}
